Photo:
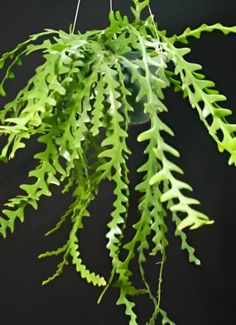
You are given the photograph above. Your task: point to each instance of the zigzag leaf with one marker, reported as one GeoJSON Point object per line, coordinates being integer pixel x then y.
{"type": "Point", "coordinates": [197, 32]}
{"type": "Point", "coordinates": [206, 101]}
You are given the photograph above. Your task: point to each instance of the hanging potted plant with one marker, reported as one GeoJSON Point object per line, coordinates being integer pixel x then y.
{"type": "Point", "coordinates": [80, 104]}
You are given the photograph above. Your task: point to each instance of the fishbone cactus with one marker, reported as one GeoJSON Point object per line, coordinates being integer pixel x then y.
{"type": "Point", "coordinates": [80, 104]}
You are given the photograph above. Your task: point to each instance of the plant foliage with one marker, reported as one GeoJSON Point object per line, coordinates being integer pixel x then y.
{"type": "Point", "coordinates": [78, 105]}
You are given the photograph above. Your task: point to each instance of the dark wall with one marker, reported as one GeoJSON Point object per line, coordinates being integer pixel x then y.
{"type": "Point", "coordinates": [193, 296]}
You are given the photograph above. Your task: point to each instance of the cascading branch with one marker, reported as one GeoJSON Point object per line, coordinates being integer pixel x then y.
{"type": "Point", "coordinates": [79, 105]}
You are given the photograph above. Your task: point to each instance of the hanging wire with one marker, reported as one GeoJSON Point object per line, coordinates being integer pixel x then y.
{"type": "Point", "coordinates": [76, 16]}
{"type": "Point", "coordinates": [111, 5]}
{"type": "Point", "coordinates": [153, 21]}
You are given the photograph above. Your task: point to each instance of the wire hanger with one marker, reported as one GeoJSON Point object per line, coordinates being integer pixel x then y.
{"type": "Point", "coordinates": [76, 16]}
{"type": "Point", "coordinates": [77, 13]}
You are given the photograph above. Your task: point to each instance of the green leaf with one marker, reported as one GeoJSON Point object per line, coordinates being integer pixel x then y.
{"type": "Point", "coordinates": [197, 33]}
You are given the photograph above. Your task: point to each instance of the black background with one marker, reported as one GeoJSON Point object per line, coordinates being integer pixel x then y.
{"type": "Point", "coordinates": [192, 295]}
